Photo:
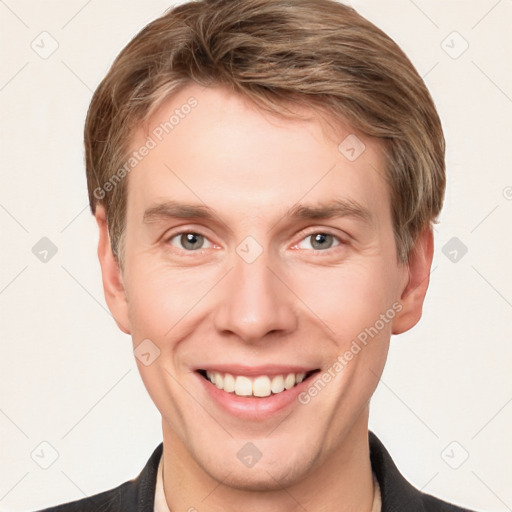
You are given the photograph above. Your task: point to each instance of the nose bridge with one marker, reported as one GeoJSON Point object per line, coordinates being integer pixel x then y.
{"type": "Point", "coordinates": [254, 301]}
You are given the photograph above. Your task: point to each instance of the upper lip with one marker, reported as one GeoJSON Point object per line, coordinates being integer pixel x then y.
{"type": "Point", "coordinates": [254, 371]}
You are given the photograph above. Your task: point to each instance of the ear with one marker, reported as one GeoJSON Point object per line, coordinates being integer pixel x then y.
{"type": "Point", "coordinates": [112, 276]}
{"type": "Point", "coordinates": [417, 279]}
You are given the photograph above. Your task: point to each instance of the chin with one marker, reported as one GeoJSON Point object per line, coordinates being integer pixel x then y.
{"type": "Point", "coordinates": [283, 469]}
{"type": "Point", "coordinates": [261, 479]}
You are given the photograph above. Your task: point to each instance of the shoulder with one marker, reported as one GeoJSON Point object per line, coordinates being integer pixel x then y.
{"type": "Point", "coordinates": [433, 504]}
{"type": "Point", "coordinates": [397, 494]}
{"type": "Point", "coordinates": [132, 496]}
{"type": "Point", "coordinates": [107, 501]}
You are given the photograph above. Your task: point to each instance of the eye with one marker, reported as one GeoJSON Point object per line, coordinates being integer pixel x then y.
{"type": "Point", "coordinates": [319, 241]}
{"type": "Point", "coordinates": [189, 241]}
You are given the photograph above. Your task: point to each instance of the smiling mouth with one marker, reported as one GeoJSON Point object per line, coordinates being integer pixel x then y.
{"type": "Point", "coordinates": [261, 386]}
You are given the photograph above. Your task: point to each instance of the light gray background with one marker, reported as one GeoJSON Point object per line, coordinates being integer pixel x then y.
{"type": "Point", "coordinates": [68, 376]}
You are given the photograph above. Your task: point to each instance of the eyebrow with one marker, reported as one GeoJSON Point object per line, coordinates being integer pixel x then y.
{"type": "Point", "coordinates": [332, 209]}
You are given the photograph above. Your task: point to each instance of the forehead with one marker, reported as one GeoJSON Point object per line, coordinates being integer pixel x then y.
{"type": "Point", "coordinates": [212, 147]}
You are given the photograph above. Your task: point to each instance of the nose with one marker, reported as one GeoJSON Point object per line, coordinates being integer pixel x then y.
{"type": "Point", "coordinates": [255, 302]}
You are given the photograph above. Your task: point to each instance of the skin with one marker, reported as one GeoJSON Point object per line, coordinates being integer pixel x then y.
{"type": "Point", "coordinates": [292, 305]}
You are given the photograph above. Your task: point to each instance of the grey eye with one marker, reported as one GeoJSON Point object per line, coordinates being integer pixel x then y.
{"type": "Point", "coordinates": [188, 241]}
{"type": "Point", "coordinates": [321, 241]}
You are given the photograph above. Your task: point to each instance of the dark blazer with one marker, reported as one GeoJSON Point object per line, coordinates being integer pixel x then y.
{"type": "Point", "coordinates": [137, 495]}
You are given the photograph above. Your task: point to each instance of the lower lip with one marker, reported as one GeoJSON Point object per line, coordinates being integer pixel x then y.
{"type": "Point", "coordinates": [253, 408]}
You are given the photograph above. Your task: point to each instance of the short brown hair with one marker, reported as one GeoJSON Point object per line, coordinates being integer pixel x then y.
{"type": "Point", "coordinates": [315, 53]}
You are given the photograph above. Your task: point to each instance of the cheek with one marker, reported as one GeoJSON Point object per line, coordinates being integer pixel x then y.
{"type": "Point", "coordinates": [163, 308]}
{"type": "Point", "coordinates": [345, 299]}
{"type": "Point", "coordinates": [163, 298]}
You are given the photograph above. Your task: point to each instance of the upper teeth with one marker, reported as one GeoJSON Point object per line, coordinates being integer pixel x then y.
{"type": "Point", "coordinates": [259, 386]}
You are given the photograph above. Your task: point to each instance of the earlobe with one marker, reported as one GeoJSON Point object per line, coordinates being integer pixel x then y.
{"type": "Point", "coordinates": [416, 284]}
{"type": "Point", "coordinates": [112, 277]}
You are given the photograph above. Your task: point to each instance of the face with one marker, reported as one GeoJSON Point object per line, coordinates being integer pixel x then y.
{"type": "Point", "coordinates": [257, 256]}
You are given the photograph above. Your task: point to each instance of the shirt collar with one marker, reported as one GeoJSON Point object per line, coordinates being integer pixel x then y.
{"type": "Point", "coordinates": [396, 493]}
{"type": "Point", "coordinates": [161, 502]}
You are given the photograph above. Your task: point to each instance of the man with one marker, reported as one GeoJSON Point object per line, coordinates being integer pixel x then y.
{"type": "Point", "coordinates": [264, 175]}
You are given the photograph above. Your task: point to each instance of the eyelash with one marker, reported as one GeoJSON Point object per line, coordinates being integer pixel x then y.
{"type": "Point", "coordinates": [341, 241]}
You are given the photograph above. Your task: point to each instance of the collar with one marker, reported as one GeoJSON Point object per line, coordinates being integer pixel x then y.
{"type": "Point", "coordinates": [161, 502]}
{"type": "Point", "coordinates": [397, 494]}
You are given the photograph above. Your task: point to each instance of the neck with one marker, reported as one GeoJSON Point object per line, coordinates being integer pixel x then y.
{"type": "Point", "coordinates": [342, 482]}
